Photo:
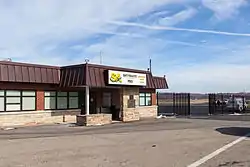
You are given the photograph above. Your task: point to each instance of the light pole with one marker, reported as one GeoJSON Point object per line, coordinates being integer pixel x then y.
{"type": "Point", "coordinates": [100, 57]}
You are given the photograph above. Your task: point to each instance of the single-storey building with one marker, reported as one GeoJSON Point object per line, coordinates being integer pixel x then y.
{"type": "Point", "coordinates": [86, 93]}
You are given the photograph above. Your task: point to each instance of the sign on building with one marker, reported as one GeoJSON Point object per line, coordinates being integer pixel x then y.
{"type": "Point", "coordinates": [126, 78]}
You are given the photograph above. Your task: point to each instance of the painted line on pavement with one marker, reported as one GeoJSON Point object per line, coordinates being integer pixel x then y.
{"type": "Point", "coordinates": [217, 152]}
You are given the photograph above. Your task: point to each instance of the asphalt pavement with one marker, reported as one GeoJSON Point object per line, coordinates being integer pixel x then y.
{"type": "Point", "coordinates": [167, 142]}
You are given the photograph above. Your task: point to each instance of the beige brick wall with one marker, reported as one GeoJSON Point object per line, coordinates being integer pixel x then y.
{"type": "Point", "coordinates": [130, 114]}
{"type": "Point", "coordinates": [147, 111]}
{"type": "Point", "coordinates": [130, 91]}
{"type": "Point", "coordinates": [94, 119]}
{"type": "Point", "coordinates": [38, 117]}
{"type": "Point", "coordinates": [134, 114]}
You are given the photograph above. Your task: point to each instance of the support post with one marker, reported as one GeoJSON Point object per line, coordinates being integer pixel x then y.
{"type": "Point", "coordinates": [189, 105]}
{"type": "Point", "coordinates": [87, 100]}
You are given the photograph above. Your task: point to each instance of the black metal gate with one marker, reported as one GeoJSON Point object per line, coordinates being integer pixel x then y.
{"type": "Point", "coordinates": [227, 104]}
{"type": "Point", "coordinates": [214, 104]}
{"type": "Point", "coordinates": [181, 103]}
{"type": "Point", "coordinates": [174, 104]}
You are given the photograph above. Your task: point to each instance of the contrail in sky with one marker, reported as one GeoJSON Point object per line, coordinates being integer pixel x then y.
{"type": "Point", "coordinates": [163, 28]}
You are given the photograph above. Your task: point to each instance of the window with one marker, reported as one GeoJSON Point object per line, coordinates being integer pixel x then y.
{"type": "Point", "coordinates": [49, 100]}
{"type": "Point", "coordinates": [28, 100]}
{"type": "Point", "coordinates": [16, 100]}
{"type": "Point", "coordinates": [73, 100]}
{"type": "Point", "coordinates": [61, 100]}
{"type": "Point", "coordinates": [2, 93]}
{"type": "Point", "coordinates": [145, 99]}
{"type": "Point", "coordinates": [13, 100]}
{"type": "Point", "coordinates": [15, 93]}
{"type": "Point", "coordinates": [106, 100]}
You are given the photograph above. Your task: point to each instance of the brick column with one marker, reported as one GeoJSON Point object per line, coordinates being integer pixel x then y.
{"type": "Point", "coordinates": [130, 114]}
{"type": "Point", "coordinates": [154, 99]}
{"type": "Point", "coordinates": [40, 100]}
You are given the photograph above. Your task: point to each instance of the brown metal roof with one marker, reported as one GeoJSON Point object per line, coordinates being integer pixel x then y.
{"type": "Point", "coordinates": [28, 73]}
{"type": "Point", "coordinates": [69, 76]}
{"type": "Point", "coordinates": [96, 76]}
{"type": "Point", "coordinates": [73, 76]}
{"type": "Point", "coordinates": [160, 83]}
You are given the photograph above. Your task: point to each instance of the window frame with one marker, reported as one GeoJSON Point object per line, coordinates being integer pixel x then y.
{"type": "Point", "coordinates": [4, 100]}
{"type": "Point", "coordinates": [28, 96]}
{"type": "Point", "coordinates": [56, 99]}
{"type": "Point", "coordinates": [55, 96]}
{"type": "Point", "coordinates": [67, 99]}
{"type": "Point", "coordinates": [145, 95]}
{"type": "Point", "coordinates": [5, 96]}
{"type": "Point", "coordinates": [69, 96]}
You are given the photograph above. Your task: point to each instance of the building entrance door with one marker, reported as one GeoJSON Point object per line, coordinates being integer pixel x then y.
{"type": "Point", "coordinates": [82, 102]}
{"type": "Point", "coordinates": [92, 103]}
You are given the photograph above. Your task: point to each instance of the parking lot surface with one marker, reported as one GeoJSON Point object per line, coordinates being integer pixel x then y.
{"type": "Point", "coordinates": [150, 143]}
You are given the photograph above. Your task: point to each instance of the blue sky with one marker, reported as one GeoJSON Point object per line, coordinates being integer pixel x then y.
{"type": "Point", "coordinates": [200, 45]}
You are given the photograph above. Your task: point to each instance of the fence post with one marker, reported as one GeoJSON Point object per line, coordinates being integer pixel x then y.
{"type": "Point", "coordinates": [222, 104]}
{"type": "Point", "coordinates": [213, 98]}
{"type": "Point", "coordinates": [184, 103]}
{"type": "Point", "coordinates": [233, 98]}
{"type": "Point", "coordinates": [173, 95]}
{"type": "Point", "coordinates": [181, 100]}
{"type": "Point", "coordinates": [181, 103]}
{"type": "Point", "coordinates": [209, 104]}
{"type": "Point", "coordinates": [176, 104]}
{"type": "Point", "coordinates": [243, 105]}
{"type": "Point", "coordinates": [189, 105]}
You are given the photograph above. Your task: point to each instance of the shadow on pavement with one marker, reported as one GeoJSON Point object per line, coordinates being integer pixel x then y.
{"type": "Point", "coordinates": [234, 131]}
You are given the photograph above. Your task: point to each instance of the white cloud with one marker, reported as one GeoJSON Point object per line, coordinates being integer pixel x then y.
{"type": "Point", "coordinates": [34, 31]}
{"type": "Point", "coordinates": [125, 52]}
{"type": "Point", "coordinates": [224, 9]}
{"type": "Point", "coordinates": [178, 17]}
{"type": "Point", "coordinates": [225, 72]}
{"type": "Point", "coordinates": [161, 13]}
{"type": "Point", "coordinates": [29, 26]}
